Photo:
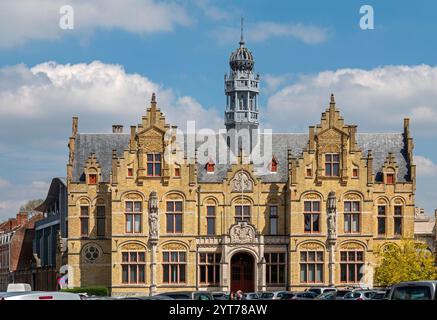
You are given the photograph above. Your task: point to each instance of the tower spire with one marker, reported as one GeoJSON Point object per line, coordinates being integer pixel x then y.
{"type": "Point", "coordinates": [242, 38]}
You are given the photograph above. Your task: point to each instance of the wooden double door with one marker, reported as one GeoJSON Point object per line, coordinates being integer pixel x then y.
{"type": "Point", "coordinates": [242, 272]}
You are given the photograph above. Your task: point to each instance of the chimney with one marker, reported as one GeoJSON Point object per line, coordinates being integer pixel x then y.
{"type": "Point", "coordinates": [117, 128]}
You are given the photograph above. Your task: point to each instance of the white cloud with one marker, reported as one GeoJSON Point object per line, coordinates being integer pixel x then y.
{"type": "Point", "coordinates": [24, 20]}
{"type": "Point", "coordinates": [41, 101]}
{"type": "Point", "coordinates": [211, 11]}
{"type": "Point", "coordinates": [375, 100]}
{"type": "Point", "coordinates": [425, 166]}
{"type": "Point", "coordinates": [272, 83]}
{"type": "Point", "coordinates": [266, 30]}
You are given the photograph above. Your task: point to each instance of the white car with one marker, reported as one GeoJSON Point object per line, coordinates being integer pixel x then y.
{"type": "Point", "coordinates": [39, 295]}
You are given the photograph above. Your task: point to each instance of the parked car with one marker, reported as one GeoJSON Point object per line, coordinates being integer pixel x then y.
{"type": "Point", "coordinates": [19, 287]}
{"type": "Point", "coordinates": [219, 295]}
{"type": "Point", "coordinates": [379, 295]}
{"type": "Point", "coordinates": [327, 295]}
{"type": "Point", "coordinates": [188, 295]}
{"type": "Point", "coordinates": [40, 295]}
{"type": "Point", "coordinates": [320, 290]}
{"type": "Point", "coordinates": [274, 295]}
{"type": "Point", "coordinates": [156, 297]}
{"type": "Point", "coordinates": [414, 290]}
{"type": "Point", "coordinates": [305, 295]}
{"type": "Point", "coordinates": [251, 296]}
{"type": "Point", "coordinates": [287, 296]}
{"type": "Point", "coordinates": [359, 295]}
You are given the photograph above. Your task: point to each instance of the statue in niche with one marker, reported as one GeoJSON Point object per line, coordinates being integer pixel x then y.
{"type": "Point", "coordinates": [332, 215]}
{"type": "Point", "coordinates": [153, 216]}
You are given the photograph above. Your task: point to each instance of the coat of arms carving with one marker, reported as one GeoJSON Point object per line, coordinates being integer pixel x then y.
{"type": "Point", "coordinates": [242, 233]}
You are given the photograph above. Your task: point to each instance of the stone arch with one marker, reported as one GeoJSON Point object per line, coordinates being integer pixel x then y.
{"type": "Point", "coordinates": [309, 192]}
{"type": "Point", "coordinates": [124, 245]}
{"type": "Point", "coordinates": [349, 193]}
{"type": "Point", "coordinates": [396, 199]}
{"type": "Point", "coordinates": [271, 200]}
{"type": "Point", "coordinates": [84, 200]}
{"type": "Point", "coordinates": [182, 245]}
{"type": "Point", "coordinates": [311, 241]}
{"type": "Point", "coordinates": [125, 194]}
{"type": "Point", "coordinates": [382, 198]}
{"type": "Point", "coordinates": [239, 197]}
{"type": "Point", "coordinates": [207, 201]}
{"type": "Point", "coordinates": [359, 243]}
{"type": "Point", "coordinates": [247, 250]}
{"type": "Point", "coordinates": [166, 195]}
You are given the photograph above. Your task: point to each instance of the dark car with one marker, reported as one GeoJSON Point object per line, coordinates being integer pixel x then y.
{"type": "Point", "coordinates": [188, 295]}
{"type": "Point", "coordinates": [306, 295]}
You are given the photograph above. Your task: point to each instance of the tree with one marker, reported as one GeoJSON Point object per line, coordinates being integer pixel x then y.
{"type": "Point", "coordinates": [31, 205]}
{"type": "Point", "coordinates": [409, 261]}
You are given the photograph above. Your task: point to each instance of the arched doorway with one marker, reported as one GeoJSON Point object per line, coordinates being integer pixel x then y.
{"type": "Point", "coordinates": [242, 272]}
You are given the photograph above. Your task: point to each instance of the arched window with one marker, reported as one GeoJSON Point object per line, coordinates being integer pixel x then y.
{"type": "Point", "coordinates": [352, 211]}
{"type": "Point", "coordinates": [398, 213]}
{"type": "Point", "coordinates": [311, 216]}
{"type": "Point", "coordinates": [133, 215]}
{"type": "Point", "coordinates": [210, 220]}
{"type": "Point", "coordinates": [174, 216]}
{"type": "Point", "coordinates": [382, 218]}
{"type": "Point", "coordinates": [133, 266]}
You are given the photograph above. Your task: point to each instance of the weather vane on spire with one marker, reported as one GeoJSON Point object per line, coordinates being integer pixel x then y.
{"type": "Point", "coordinates": [241, 39]}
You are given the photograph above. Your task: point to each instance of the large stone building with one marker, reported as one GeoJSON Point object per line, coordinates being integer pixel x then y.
{"type": "Point", "coordinates": [146, 215]}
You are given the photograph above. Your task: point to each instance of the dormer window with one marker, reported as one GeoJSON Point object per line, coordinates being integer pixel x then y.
{"type": "Point", "coordinates": [210, 167]}
{"type": "Point", "coordinates": [153, 164]}
{"type": "Point", "coordinates": [177, 172]}
{"type": "Point", "coordinates": [390, 178]}
{"type": "Point", "coordinates": [130, 172]}
{"type": "Point", "coordinates": [92, 178]}
{"type": "Point", "coordinates": [355, 173]}
{"type": "Point", "coordinates": [332, 165]}
{"type": "Point", "coordinates": [274, 165]}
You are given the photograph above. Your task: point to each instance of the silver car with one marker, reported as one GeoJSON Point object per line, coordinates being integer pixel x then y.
{"type": "Point", "coordinates": [359, 295]}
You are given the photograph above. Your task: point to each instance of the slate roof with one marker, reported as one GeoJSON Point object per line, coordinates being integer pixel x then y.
{"type": "Point", "coordinates": [380, 144]}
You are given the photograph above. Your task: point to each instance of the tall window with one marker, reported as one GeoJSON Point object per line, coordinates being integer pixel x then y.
{"type": "Point", "coordinates": [84, 221]}
{"type": "Point", "coordinates": [133, 266]}
{"type": "Point", "coordinates": [351, 265]}
{"type": "Point", "coordinates": [209, 268]}
{"type": "Point", "coordinates": [174, 266]}
{"type": "Point", "coordinates": [311, 266]}
{"type": "Point", "coordinates": [398, 220]}
{"type": "Point", "coordinates": [100, 213]}
{"type": "Point", "coordinates": [242, 213]}
{"type": "Point", "coordinates": [133, 216]}
{"type": "Point", "coordinates": [210, 220]}
{"type": "Point", "coordinates": [351, 216]}
{"type": "Point", "coordinates": [382, 219]}
{"type": "Point", "coordinates": [332, 165]}
{"type": "Point", "coordinates": [273, 217]}
{"type": "Point", "coordinates": [275, 268]}
{"type": "Point", "coordinates": [153, 164]}
{"type": "Point", "coordinates": [174, 216]}
{"type": "Point", "coordinates": [312, 216]}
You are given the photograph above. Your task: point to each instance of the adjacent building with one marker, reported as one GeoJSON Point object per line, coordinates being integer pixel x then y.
{"type": "Point", "coordinates": [425, 229]}
{"type": "Point", "coordinates": [16, 255]}
{"type": "Point", "coordinates": [147, 215]}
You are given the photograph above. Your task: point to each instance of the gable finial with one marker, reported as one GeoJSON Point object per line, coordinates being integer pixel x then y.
{"type": "Point", "coordinates": [332, 99]}
{"type": "Point", "coordinates": [241, 37]}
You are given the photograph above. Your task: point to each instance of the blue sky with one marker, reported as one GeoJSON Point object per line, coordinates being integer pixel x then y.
{"type": "Point", "coordinates": [181, 48]}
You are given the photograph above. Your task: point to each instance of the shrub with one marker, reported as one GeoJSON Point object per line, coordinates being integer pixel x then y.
{"type": "Point", "coordinates": [91, 291]}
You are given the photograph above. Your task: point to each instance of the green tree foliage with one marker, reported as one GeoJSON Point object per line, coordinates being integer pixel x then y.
{"type": "Point", "coordinates": [409, 261]}
{"type": "Point", "coordinates": [31, 204]}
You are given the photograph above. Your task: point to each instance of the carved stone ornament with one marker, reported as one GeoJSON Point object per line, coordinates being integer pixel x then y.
{"type": "Point", "coordinates": [332, 215]}
{"type": "Point", "coordinates": [242, 233]}
{"type": "Point", "coordinates": [241, 183]}
{"type": "Point", "coordinates": [153, 216]}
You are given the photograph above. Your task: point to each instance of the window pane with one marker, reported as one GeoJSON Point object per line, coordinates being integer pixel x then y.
{"type": "Point", "coordinates": [150, 157]}
{"type": "Point", "coordinates": [125, 276]}
{"type": "Point", "coordinates": [343, 272]}
{"type": "Point", "coordinates": [210, 274]}
{"type": "Point", "coordinates": [210, 211]}
{"type": "Point", "coordinates": [307, 206]}
{"type": "Point", "coordinates": [178, 221]}
{"type": "Point", "coordinates": [84, 211]}
{"type": "Point", "coordinates": [335, 158]}
{"type": "Point", "coordinates": [328, 170]}
{"type": "Point", "coordinates": [178, 206]}
{"type": "Point", "coordinates": [273, 226]}
{"type": "Point", "coordinates": [165, 256]}
{"type": "Point", "coordinates": [174, 256]}
{"type": "Point", "coordinates": [336, 169]}
{"type": "Point", "coordinates": [157, 157]}
{"type": "Point", "coordinates": [381, 210]}
{"type": "Point", "coordinates": [84, 226]}
{"type": "Point", "coordinates": [202, 271]}
{"type": "Point", "coordinates": [150, 169]}
{"type": "Point", "coordinates": [170, 226]}
{"type": "Point", "coordinates": [137, 223]}
{"type": "Point", "coordinates": [157, 169]}
{"type": "Point", "coordinates": [311, 256]}
{"type": "Point", "coordinates": [351, 255]}
{"type": "Point", "coordinates": [303, 273]}
{"type": "Point", "coordinates": [129, 206]}
{"type": "Point", "coordinates": [133, 256]}
{"type": "Point", "coordinates": [273, 211]}
{"type": "Point", "coordinates": [129, 223]}
{"type": "Point", "coordinates": [210, 226]}
{"type": "Point", "coordinates": [347, 206]}
{"type": "Point", "coordinates": [311, 273]}
{"type": "Point", "coordinates": [141, 257]}
{"type": "Point", "coordinates": [133, 274]}
{"type": "Point", "coordinates": [166, 273]}
{"type": "Point", "coordinates": [319, 256]}
{"type": "Point", "coordinates": [303, 256]}
{"type": "Point", "coordinates": [182, 256]}
{"type": "Point", "coordinates": [100, 211]}
{"type": "Point", "coordinates": [381, 225]}
{"type": "Point", "coordinates": [170, 206]}
{"type": "Point", "coordinates": [351, 269]}
{"type": "Point", "coordinates": [137, 206]}
{"type": "Point", "coordinates": [173, 273]}
{"type": "Point", "coordinates": [316, 206]}
{"type": "Point", "coordinates": [315, 222]}
{"type": "Point", "coordinates": [100, 227]}
{"type": "Point", "coordinates": [182, 273]}
{"type": "Point", "coordinates": [307, 222]}
{"type": "Point", "coordinates": [142, 274]}
{"type": "Point", "coordinates": [319, 273]}
{"type": "Point", "coordinates": [202, 257]}
{"type": "Point", "coordinates": [355, 222]}
{"type": "Point", "coordinates": [356, 206]}
{"type": "Point", "coordinates": [328, 158]}
{"type": "Point", "coordinates": [125, 257]}
{"type": "Point", "coordinates": [347, 223]}
{"type": "Point", "coordinates": [360, 255]}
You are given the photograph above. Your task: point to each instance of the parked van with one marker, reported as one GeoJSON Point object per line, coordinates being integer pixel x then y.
{"type": "Point", "coordinates": [414, 290]}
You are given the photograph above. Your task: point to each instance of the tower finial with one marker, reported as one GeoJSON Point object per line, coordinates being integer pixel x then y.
{"type": "Point", "coordinates": [332, 99]}
{"type": "Point", "coordinates": [242, 38]}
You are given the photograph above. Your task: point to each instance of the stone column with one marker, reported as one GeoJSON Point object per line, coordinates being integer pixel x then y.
{"type": "Point", "coordinates": [153, 269]}
{"type": "Point", "coordinates": [261, 266]}
{"type": "Point", "coordinates": [332, 234]}
{"type": "Point", "coordinates": [331, 265]}
{"type": "Point", "coordinates": [224, 267]}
